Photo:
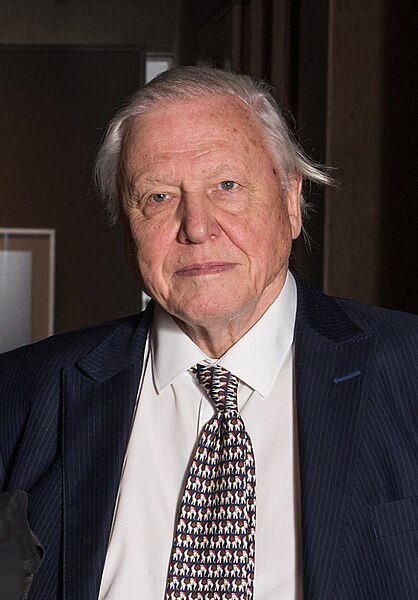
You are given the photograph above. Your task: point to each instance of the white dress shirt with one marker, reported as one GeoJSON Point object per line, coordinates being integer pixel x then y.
{"type": "Point", "coordinates": [170, 414]}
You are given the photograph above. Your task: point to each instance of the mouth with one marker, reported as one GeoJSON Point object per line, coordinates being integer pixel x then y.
{"type": "Point", "coordinates": [208, 268]}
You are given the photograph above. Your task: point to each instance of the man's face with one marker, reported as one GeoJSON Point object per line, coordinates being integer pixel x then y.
{"type": "Point", "coordinates": [209, 226]}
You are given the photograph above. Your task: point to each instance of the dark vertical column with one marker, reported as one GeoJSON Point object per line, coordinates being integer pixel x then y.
{"type": "Point", "coordinates": [371, 232]}
{"type": "Point", "coordinates": [398, 258]}
{"type": "Point", "coordinates": [282, 49]}
{"type": "Point", "coordinates": [309, 76]}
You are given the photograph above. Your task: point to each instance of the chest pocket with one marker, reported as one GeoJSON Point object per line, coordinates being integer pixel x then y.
{"type": "Point", "coordinates": [395, 526]}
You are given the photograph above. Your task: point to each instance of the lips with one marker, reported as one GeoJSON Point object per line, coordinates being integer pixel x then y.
{"type": "Point", "coordinates": [201, 269]}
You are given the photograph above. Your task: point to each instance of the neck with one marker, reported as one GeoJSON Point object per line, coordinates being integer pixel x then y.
{"type": "Point", "coordinates": [213, 341]}
{"type": "Point", "coordinates": [216, 337]}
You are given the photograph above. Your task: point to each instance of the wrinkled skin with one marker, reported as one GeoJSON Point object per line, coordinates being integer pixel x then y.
{"type": "Point", "coordinates": [209, 226]}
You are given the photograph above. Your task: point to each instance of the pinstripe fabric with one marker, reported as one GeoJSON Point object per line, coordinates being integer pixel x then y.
{"type": "Point", "coordinates": [358, 440]}
{"type": "Point", "coordinates": [89, 380]}
{"type": "Point", "coordinates": [65, 411]}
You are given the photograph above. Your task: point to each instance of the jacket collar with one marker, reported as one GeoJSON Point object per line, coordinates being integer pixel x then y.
{"type": "Point", "coordinates": [122, 347]}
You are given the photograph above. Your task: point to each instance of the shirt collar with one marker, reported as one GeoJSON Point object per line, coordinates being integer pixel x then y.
{"type": "Point", "coordinates": [255, 359]}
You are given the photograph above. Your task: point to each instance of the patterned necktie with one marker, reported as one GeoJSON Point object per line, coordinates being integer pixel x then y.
{"type": "Point", "coordinates": [214, 543]}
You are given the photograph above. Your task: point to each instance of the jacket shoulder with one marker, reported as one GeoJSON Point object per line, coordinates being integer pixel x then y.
{"type": "Point", "coordinates": [342, 320]}
{"type": "Point", "coordinates": [396, 349]}
{"type": "Point", "coordinates": [52, 354]}
{"type": "Point", "coordinates": [388, 325]}
{"type": "Point", "coordinates": [65, 348]}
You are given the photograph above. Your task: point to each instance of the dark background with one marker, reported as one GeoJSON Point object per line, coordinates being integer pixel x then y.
{"type": "Point", "coordinates": [343, 70]}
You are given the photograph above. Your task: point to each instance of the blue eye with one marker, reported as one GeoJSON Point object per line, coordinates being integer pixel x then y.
{"type": "Point", "coordinates": [159, 197]}
{"type": "Point", "coordinates": [227, 186]}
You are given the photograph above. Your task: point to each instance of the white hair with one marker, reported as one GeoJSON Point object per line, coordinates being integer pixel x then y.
{"type": "Point", "coordinates": [187, 83]}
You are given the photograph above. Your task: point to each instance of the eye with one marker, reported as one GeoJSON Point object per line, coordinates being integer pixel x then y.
{"type": "Point", "coordinates": [159, 198]}
{"type": "Point", "coordinates": [228, 186]}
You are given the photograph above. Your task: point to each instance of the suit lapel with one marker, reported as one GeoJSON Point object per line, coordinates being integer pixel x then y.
{"type": "Point", "coordinates": [331, 367]}
{"type": "Point", "coordinates": [99, 399]}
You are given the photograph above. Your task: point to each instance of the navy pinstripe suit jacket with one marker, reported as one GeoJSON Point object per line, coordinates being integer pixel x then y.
{"type": "Point", "coordinates": [66, 407]}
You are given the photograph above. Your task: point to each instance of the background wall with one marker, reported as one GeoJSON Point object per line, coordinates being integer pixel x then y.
{"type": "Point", "coordinates": [152, 24]}
{"type": "Point", "coordinates": [54, 106]}
{"type": "Point", "coordinates": [344, 69]}
{"type": "Point", "coordinates": [371, 241]}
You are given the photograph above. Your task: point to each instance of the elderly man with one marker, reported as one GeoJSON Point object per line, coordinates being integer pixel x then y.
{"type": "Point", "coordinates": [244, 437]}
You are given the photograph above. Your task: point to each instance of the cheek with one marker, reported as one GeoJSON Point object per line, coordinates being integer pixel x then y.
{"type": "Point", "coordinates": [275, 249]}
{"type": "Point", "coordinates": [262, 237]}
{"type": "Point", "coordinates": [280, 246]}
{"type": "Point", "coordinates": [147, 246]}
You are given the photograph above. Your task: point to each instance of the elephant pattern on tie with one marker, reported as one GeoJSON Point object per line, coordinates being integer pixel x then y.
{"type": "Point", "coordinates": [214, 544]}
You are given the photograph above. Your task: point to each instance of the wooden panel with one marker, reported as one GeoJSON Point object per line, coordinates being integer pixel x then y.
{"type": "Point", "coordinates": [220, 38]}
{"type": "Point", "coordinates": [355, 103]}
{"type": "Point", "coordinates": [281, 51]}
{"type": "Point", "coordinates": [308, 81]}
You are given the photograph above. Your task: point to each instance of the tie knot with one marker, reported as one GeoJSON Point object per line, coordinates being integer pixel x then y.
{"type": "Point", "coordinates": [220, 384]}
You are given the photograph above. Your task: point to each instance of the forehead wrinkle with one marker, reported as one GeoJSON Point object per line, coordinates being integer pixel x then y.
{"type": "Point", "coordinates": [218, 169]}
{"type": "Point", "coordinates": [167, 178]}
{"type": "Point", "coordinates": [149, 179]}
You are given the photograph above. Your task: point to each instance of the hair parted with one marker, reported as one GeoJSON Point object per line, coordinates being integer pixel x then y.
{"type": "Point", "coordinates": [188, 83]}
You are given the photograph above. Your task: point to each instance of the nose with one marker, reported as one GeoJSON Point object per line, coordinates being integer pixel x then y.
{"type": "Point", "coordinates": [197, 219]}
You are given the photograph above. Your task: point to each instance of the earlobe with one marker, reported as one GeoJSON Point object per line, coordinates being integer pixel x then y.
{"type": "Point", "coordinates": [294, 205]}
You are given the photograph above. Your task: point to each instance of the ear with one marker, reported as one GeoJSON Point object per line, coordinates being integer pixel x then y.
{"type": "Point", "coordinates": [293, 204]}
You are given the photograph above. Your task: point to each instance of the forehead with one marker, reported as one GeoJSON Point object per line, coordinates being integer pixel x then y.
{"type": "Point", "coordinates": [208, 122]}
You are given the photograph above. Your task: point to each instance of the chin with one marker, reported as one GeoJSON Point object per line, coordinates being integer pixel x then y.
{"type": "Point", "coordinates": [207, 314]}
